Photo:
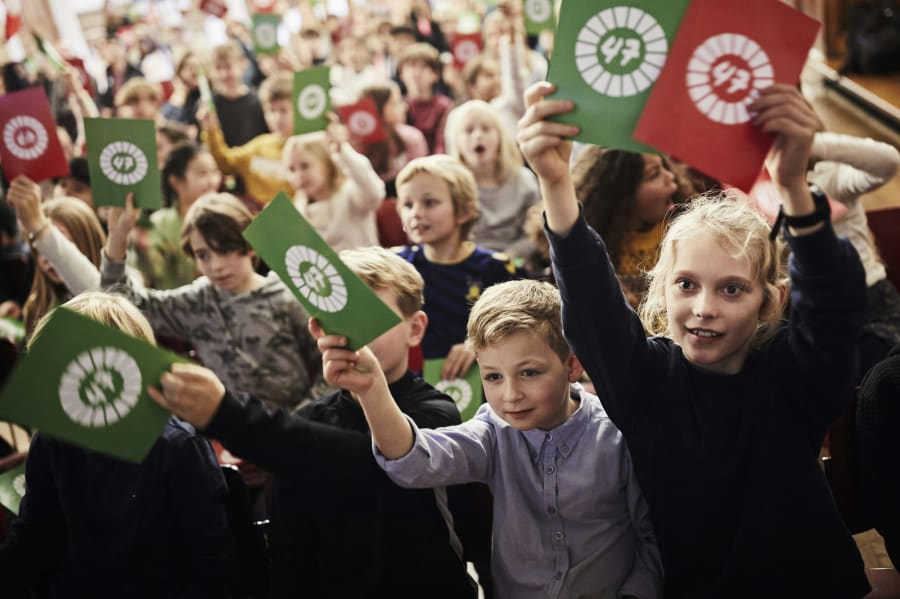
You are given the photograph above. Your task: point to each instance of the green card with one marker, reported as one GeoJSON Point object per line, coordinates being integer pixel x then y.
{"type": "Point", "coordinates": [465, 391]}
{"type": "Point", "coordinates": [206, 95]}
{"type": "Point", "coordinates": [47, 49]}
{"type": "Point", "coordinates": [12, 488]}
{"type": "Point", "coordinates": [606, 57]}
{"type": "Point", "coordinates": [265, 33]}
{"type": "Point", "coordinates": [85, 383]}
{"type": "Point", "coordinates": [121, 158]}
{"type": "Point", "coordinates": [538, 16]}
{"type": "Point", "coordinates": [329, 291]}
{"type": "Point", "coordinates": [311, 101]}
{"type": "Point", "coordinates": [12, 329]}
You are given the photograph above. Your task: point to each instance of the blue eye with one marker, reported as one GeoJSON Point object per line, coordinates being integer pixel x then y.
{"type": "Point", "coordinates": [491, 377]}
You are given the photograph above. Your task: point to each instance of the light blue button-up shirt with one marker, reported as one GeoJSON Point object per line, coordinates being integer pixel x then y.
{"type": "Point", "coordinates": [569, 517]}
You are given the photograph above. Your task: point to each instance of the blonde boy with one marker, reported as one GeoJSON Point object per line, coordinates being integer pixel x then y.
{"type": "Point", "coordinates": [437, 202]}
{"type": "Point", "coordinates": [569, 517]}
{"type": "Point", "coordinates": [237, 106]}
{"type": "Point", "coordinates": [258, 162]}
{"type": "Point", "coordinates": [336, 512]}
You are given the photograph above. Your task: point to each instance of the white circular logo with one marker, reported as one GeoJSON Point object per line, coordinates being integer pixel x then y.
{"type": "Point", "coordinates": [25, 137]}
{"type": "Point", "coordinates": [311, 101]}
{"type": "Point", "coordinates": [316, 278]}
{"type": "Point", "coordinates": [620, 51]}
{"type": "Point", "coordinates": [538, 11]}
{"type": "Point", "coordinates": [725, 74]}
{"type": "Point", "coordinates": [100, 386]}
{"type": "Point", "coordinates": [18, 484]}
{"type": "Point", "coordinates": [361, 123]}
{"type": "Point", "coordinates": [266, 35]}
{"type": "Point", "coordinates": [466, 50]}
{"type": "Point", "coordinates": [459, 391]}
{"type": "Point", "coordinates": [123, 162]}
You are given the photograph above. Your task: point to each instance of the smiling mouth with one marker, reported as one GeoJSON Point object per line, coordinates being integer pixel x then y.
{"type": "Point", "coordinates": [704, 333]}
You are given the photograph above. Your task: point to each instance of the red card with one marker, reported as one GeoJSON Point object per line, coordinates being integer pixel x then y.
{"type": "Point", "coordinates": [764, 197]}
{"type": "Point", "coordinates": [217, 8]}
{"type": "Point", "coordinates": [86, 81]}
{"type": "Point", "coordinates": [28, 141]}
{"type": "Point", "coordinates": [723, 54]}
{"type": "Point", "coordinates": [363, 121]}
{"type": "Point", "coordinates": [466, 46]}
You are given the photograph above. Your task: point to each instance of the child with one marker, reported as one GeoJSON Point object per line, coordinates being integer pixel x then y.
{"type": "Point", "coordinates": [420, 69]}
{"type": "Point", "coordinates": [258, 162]}
{"type": "Point", "coordinates": [237, 107]}
{"type": "Point", "coordinates": [336, 188]}
{"type": "Point", "coordinates": [138, 99]}
{"type": "Point", "coordinates": [95, 526]}
{"type": "Point", "coordinates": [404, 142]}
{"type": "Point", "coordinates": [506, 188]}
{"type": "Point", "coordinates": [537, 443]}
{"type": "Point", "coordinates": [437, 206]}
{"type": "Point", "coordinates": [188, 173]}
{"type": "Point", "coordinates": [724, 418]}
{"type": "Point", "coordinates": [626, 197]}
{"type": "Point", "coordinates": [247, 328]}
{"type": "Point", "coordinates": [341, 528]}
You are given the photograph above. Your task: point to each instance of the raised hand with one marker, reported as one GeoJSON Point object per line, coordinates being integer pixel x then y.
{"type": "Point", "coordinates": [458, 362]}
{"type": "Point", "coordinates": [191, 392]}
{"type": "Point", "coordinates": [356, 371]}
{"type": "Point", "coordinates": [25, 197]}
{"type": "Point", "coordinates": [120, 221]}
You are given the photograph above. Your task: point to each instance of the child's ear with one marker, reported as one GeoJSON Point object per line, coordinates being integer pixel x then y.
{"type": "Point", "coordinates": [465, 215]}
{"type": "Point", "coordinates": [575, 368]}
{"type": "Point", "coordinates": [418, 322]}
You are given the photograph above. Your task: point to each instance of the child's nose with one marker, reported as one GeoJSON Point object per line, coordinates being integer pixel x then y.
{"type": "Point", "coordinates": [705, 305]}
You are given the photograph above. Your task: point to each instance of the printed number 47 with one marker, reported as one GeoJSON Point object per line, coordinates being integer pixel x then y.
{"type": "Point", "coordinates": [629, 48]}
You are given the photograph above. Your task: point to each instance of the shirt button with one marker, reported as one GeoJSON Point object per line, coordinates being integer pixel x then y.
{"type": "Point", "coordinates": [558, 576]}
{"type": "Point", "coordinates": [551, 510]}
{"type": "Point", "coordinates": [565, 448]}
{"type": "Point", "coordinates": [558, 536]}
{"type": "Point", "coordinates": [550, 470]}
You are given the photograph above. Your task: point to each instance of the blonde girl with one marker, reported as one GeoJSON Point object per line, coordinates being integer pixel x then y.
{"type": "Point", "coordinates": [723, 410]}
{"type": "Point", "coordinates": [506, 188]}
{"type": "Point", "coordinates": [336, 188]}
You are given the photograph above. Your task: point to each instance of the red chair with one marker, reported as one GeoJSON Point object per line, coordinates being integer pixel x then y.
{"type": "Point", "coordinates": [885, 225]}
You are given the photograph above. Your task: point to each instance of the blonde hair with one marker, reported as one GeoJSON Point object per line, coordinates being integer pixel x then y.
{"type": "Point", "coordinates": [279, 86]}
{"type": "Point", "coordinates": [508, 160]}
{"type": "Point", "coordinates": [106, 308]}
{"type": "Point", "coordinates": [463, 190]}
{"type": "Point", "coordinates": [230, 50]}
{"type": "Point", "coordinates": [84, 227]}
{"type": "Point", "coordinates": [427, 53]}
{"type": "Point", "coordinates": [316, 145]}
{"type": "Point", "coordinates": [382, 269]}
{"type": "Point", "coordinates": [520, 306]}
{"type": "Point", "coordinates": [738, 230]}
{"type": "Point", "coordinates": [134, 89]}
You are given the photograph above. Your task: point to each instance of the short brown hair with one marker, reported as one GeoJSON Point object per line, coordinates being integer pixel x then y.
{"type": "Point", "coordinates": [521, 306]}
{"type": "Point", "coordinates": [463, 189]}
{"type": "Point", "coordinates": [221, 219]}
{"type": "Point", "coordinates": [380, 268]}
{"type": "Point", "coordinates": [230, 50]}
{"type": "Point", "coordinates": [279, 86]}
{"type": "Point", "coordinates": [421, 51]}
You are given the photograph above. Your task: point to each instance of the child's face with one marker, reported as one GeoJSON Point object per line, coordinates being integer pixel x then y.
{"type": "Point", "coordinates": [227, 73]}
{"type": "Point", "coordinates": [229, 271]}
{"type": "Point", "coordinates": [418, 77]}
{"type": "Point", "coordinates": [526, 383]}
{"type": "Point", "coordinates": [392, 347]}
{"type": "Point", "coordinates": [713, 304]}
{"type": "Point", "coordinates": [279, 115]}
{"type": "Point", "coordinates": [202, 176]}
{"type": "Point", "coordinates": [479, 142]}
{"type": "Point", "coordinates": [654, 195]}
{"type": "Point", "coordinates": [189, 72]}
{"type": "Point", "coordinates": [142, 107]}
{"type": "Point", "coordinates": [306, 173]}
{"type": "Point", "coordinates": [394, 112]}
{"type": "Point", "coordinates": [427, 212]}
{"type": "Point", "coordinates": [487, 82]}
{"type": "Point", "coordinates": [73, 188]}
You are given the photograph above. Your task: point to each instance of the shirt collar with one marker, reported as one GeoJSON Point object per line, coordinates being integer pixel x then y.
{"type": "Point", "coordinates": [566, 435]}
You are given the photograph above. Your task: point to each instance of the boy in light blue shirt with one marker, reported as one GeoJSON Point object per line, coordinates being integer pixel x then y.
{"type": "Point", "coordinates": [569, 517]}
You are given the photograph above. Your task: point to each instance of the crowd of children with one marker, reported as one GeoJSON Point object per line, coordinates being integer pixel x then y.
{"type": "Point", "coordinates": [657, 376]}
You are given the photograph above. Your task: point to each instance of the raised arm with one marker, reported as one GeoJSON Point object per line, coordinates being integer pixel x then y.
{"type": "Point", "coordinates": [358, 169]}
{"type": "Point", "coordinates": [360, 373]}
{"type": "Point", "coordinates": [544, 147]}
{"type": "Point", "coordinates": [856, 166]}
